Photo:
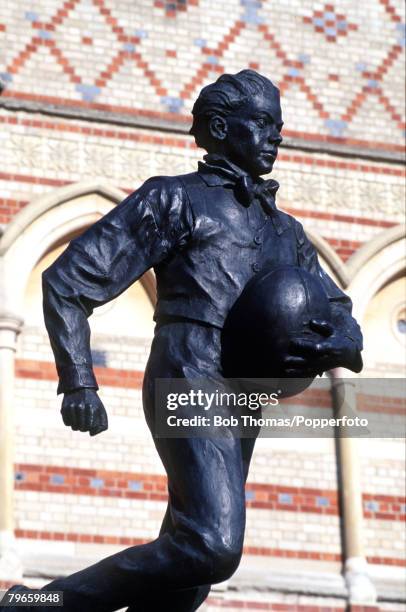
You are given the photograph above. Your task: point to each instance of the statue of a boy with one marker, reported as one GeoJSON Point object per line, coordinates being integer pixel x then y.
{"type": "Point", "coordinates": [206, 234]}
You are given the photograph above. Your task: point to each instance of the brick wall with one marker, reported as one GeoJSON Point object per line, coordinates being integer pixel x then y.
{"type": "Point", "coordinates": [102, 90]}
{"type": "Point", "coordinates": [338, 65]}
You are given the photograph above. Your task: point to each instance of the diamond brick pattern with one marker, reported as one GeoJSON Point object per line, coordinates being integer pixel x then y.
{"type": "Point", "coordinates": [330, 23]}
{"type": "Point", "coordinates": [339, 76]}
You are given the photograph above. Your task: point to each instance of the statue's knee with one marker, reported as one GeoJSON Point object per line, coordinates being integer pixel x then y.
{"type": "Point", "coordinates": [222, 559]}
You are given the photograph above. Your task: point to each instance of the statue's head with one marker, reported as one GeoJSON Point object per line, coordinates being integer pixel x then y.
{"type": "Point", "coordinates": [239, 116]}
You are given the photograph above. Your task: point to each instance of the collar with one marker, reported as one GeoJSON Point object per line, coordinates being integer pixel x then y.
{"type": "Point", "coordinates": [217, 170]}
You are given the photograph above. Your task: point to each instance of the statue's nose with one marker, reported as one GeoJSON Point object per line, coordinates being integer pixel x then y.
{"type": "Point", "coordinates": [275, 137]}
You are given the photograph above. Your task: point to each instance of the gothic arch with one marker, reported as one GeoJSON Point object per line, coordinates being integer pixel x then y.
{"type": "Point", "coordinates": [44, 222]}
{"type": "Point", "coordinates": [375, 264]}
{"type": "Point", "coordinates": [337, 267]}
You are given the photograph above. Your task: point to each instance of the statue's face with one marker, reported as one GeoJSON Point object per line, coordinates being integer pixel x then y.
{"type": "Point", "coordinates": [254, 134]}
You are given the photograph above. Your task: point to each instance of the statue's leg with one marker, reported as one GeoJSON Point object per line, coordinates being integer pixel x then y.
{"type": "Point", "coordinates": [187, 600]}
{"type": "Point", "coordinates": [206, 494]}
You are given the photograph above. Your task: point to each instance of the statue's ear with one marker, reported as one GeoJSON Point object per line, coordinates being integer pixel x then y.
{"type": "Point", "coordinates": [218, 127]}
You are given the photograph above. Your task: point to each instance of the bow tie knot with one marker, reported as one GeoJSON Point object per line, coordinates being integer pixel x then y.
{"type": "Point", "coordinates": [247, 190]}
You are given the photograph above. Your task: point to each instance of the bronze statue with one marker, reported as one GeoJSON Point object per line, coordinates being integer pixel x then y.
{"type": "Point", "coordinates": [206, 234]}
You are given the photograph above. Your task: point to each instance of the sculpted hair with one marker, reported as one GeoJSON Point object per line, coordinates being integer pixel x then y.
{"type": "Point", "coordinates": [226, 95]}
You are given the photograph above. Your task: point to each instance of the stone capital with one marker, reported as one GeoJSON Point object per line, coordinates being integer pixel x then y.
{"type": "Point", "coordinates": [10, 326]}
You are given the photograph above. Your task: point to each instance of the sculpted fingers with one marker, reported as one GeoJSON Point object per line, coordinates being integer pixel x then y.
{"type": "Point", "coordinates": [96, 430]}
{"type": "Point", "coordinates": [294, 361]}
{"type": "Point", "coordinates": [72, 422]}
{"type": "Point", "coordinates": [86, 417]}
{"type": "Point", "coordinates": [65, 415]}
{"type": "Point", "coordinates": [74, 416]}
{"type": "Point", "coordinates": [322, 327]}
{"type": "Point", "coordinates": [313, 362]}
{"type": "Point", "coordinates": [80, 417]}
{"type": "Point", "coordinates": [104, 422]}
{"type": "Point", "coordinates": [303, 346]}
{"type": "Point", "coordinates": [300, 373]}
{"type": "Point", "coordinates": [68, 414]}
{"type": "Point", "coordinates": [100, 423]}
{"type": "Point", "coordinates": [91, 417]}
{"type": "Point", "coordinates": [310, 348]}
{"type": "Point", "coordinates": [82, 410]}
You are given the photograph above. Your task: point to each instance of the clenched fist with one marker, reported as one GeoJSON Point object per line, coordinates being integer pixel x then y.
{"type": "Point", "coordinates": [83, 410]}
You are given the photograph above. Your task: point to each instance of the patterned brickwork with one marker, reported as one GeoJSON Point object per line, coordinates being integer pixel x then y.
{"type": "Point", "coordinates": [281, 493]}
{"type": "Point", "coordinates": [78, 481]}
{"type": "Point", "coordinates": [42, 155]}
{"type": "Point", "coordinates": [330, 23]}
{"type": "Point", "coordinates": [156, 58]}
{"type": "Point", "coordinates": [123, 64]}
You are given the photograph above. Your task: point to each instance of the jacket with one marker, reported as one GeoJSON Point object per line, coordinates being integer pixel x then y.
{"type": "Point", "coordinates": [204, 245]}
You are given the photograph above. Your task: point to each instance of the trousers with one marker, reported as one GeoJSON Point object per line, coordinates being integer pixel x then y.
{"type": "Point", "coordinates": [201, 539]}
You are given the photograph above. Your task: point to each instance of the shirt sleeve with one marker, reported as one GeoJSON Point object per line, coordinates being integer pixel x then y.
{"type": "Point", "coordinates": [103, 262]}
{"type": "Point", "coordinates": [341, 304]}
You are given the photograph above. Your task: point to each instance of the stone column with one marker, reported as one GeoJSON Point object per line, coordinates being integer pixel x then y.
{"type": "Point", "coordinates": [10, 565]}
{"type": "Point", "coordinates": [361, 590]}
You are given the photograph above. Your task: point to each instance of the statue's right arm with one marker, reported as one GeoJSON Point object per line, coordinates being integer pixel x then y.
{"type": "Point", "coordinates": [97, 267]}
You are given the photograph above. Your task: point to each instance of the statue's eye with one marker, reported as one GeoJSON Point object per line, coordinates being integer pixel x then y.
{"type": "Point", "coordinates": [261, 122]}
